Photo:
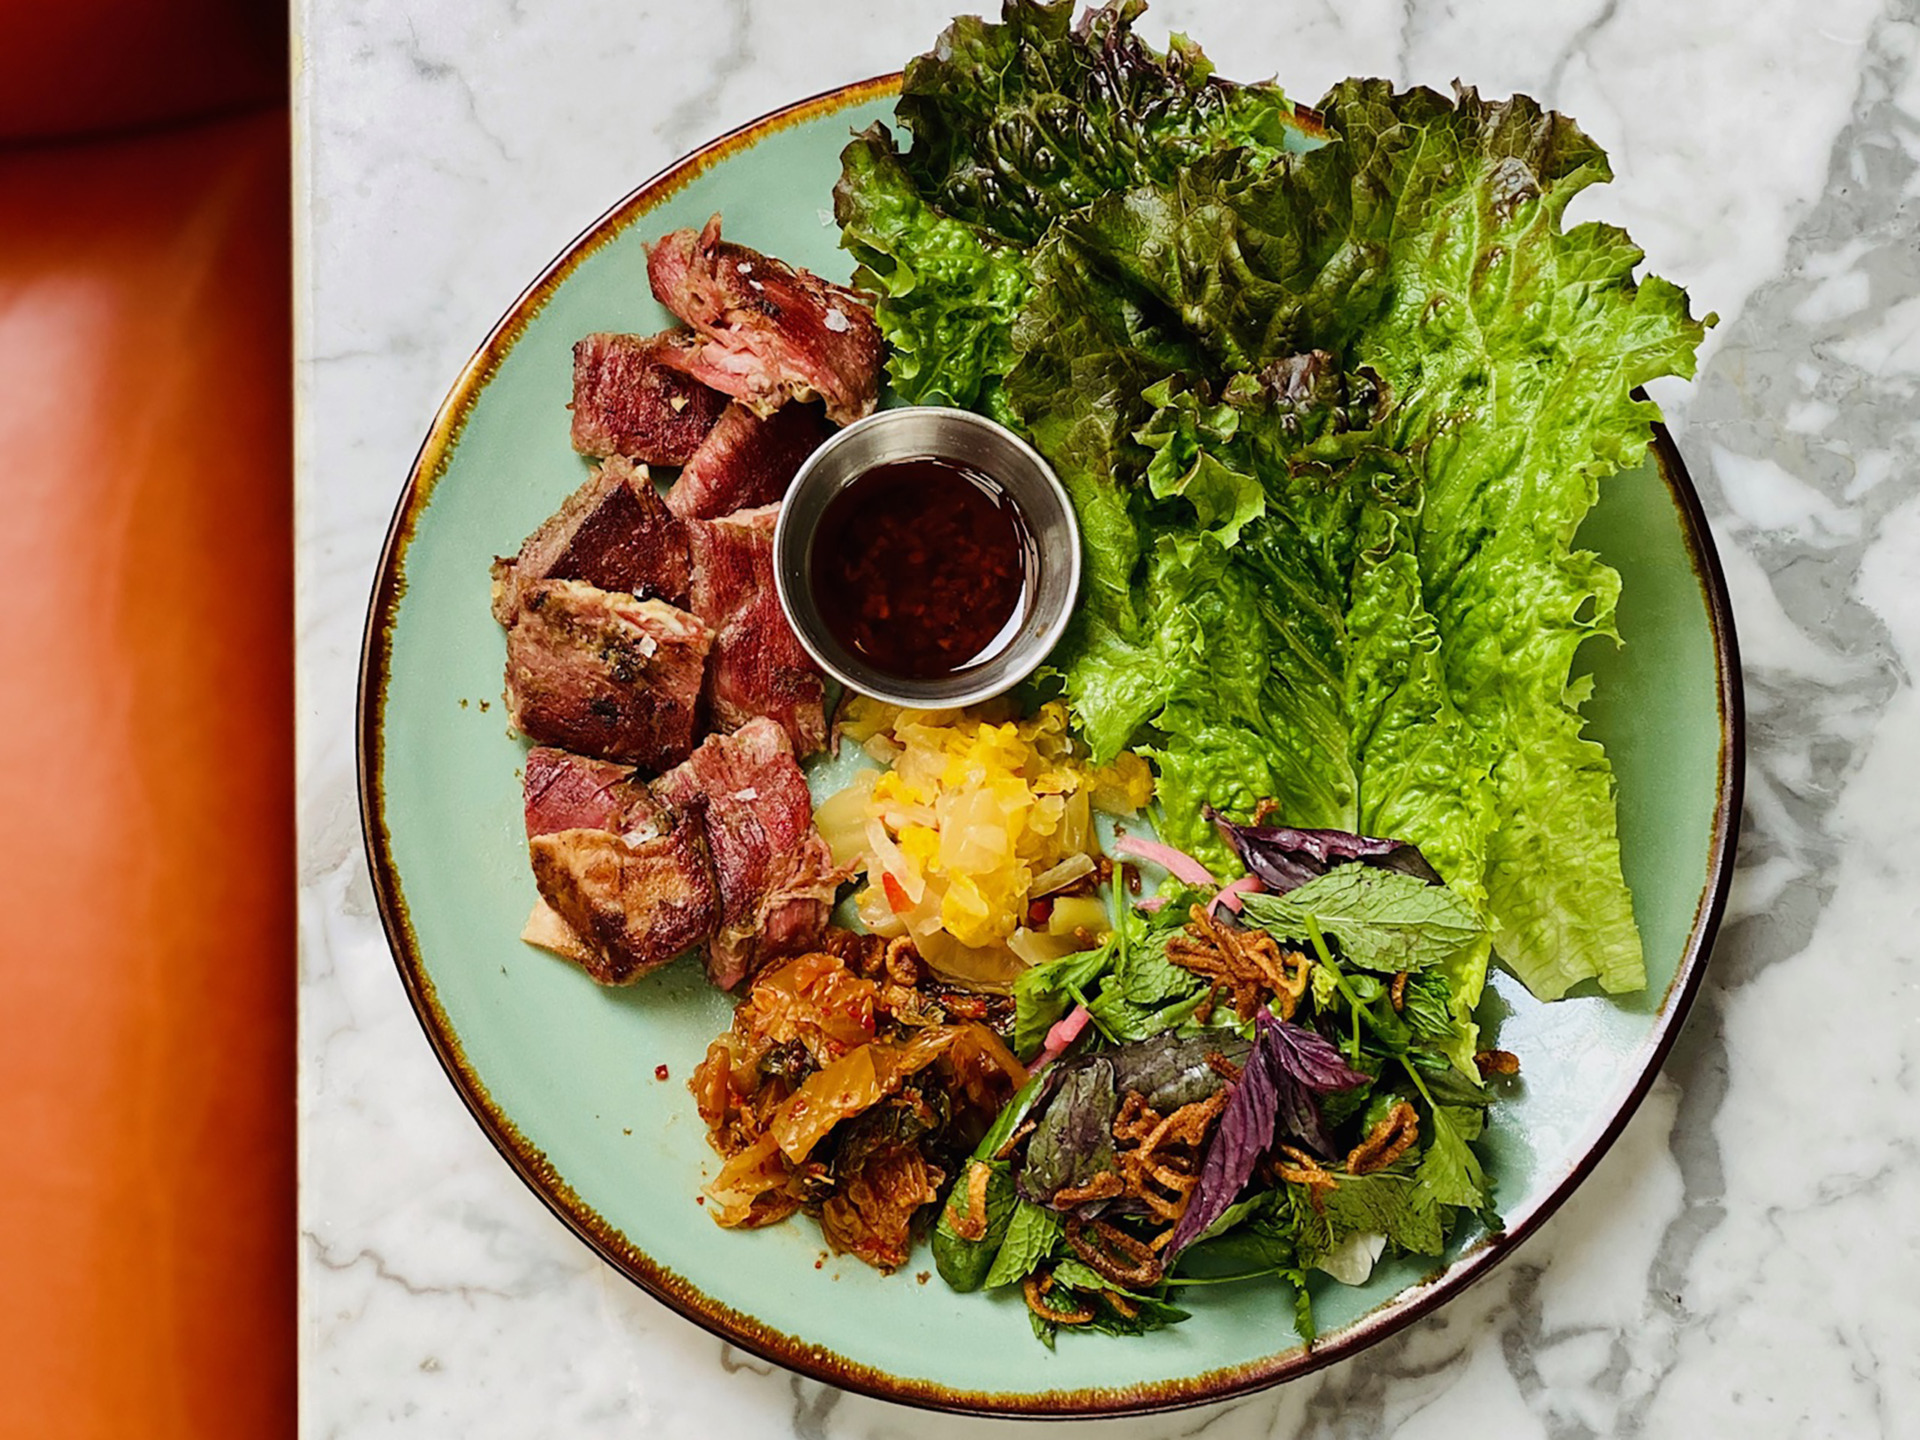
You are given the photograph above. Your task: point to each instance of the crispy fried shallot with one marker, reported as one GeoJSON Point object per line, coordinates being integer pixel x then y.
{"type": "Point", "coordinates": [1248, 964]}
{"type": "Point", "coordinates": [1035, 1287]}
{"type": "Point", "coordinates": [1160, 1155]}
{"type": "Point", "coordinates": [972, 1225]}
{"type": "Point", "coordinates": [1386, 1142]}
{"type": "Point", "coordinates": [1223, 1067]}
{"type": "Point", "coordinates": [1103, 1186]}
{"type": "Point", "coordinates": [903, 961]}
{"type": "Point", "coordinates": [1111, 1253]}
{"type": "Point", "coordinates": [1020, 1132]}
{"type": "Point", "coordinates": [1299, 1168]}
{"type": "Point", "coordinates": [862, 953]}
{"type": "Point", "coordinates": [1121, 1301]}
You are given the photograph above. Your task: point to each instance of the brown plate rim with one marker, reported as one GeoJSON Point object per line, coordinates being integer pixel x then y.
{"type": "Point", "coordinates": [743, 1330]}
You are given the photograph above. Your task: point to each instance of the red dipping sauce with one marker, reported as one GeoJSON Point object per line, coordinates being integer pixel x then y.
{"type": "Point", "coordinates": [923, 568]}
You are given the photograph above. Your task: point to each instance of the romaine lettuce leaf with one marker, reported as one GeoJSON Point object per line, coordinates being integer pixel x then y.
{"type": "Point", "coordinates": [947, 296]}
{"type": "Point", "coordinates": [1330, 417]}
{"type": "Point", "coordinates": [1511, 348]}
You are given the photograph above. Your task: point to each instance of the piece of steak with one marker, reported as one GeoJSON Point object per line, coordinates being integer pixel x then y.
{"type": "Point", "coordinates": [632, 901]}
{"type": "Point", "coordinates": [747, 461]}
{"type": "Point", "coordinates": [614, 532]}
{"type": "Point", "coordinates": [604, 674]}
{"type": "Point", "coordinates": [625, 883]}
{"type": "Point", "coordinates": [757, 666]}
{"type": "Point", "coordinates": [770, 332]}
{"type": "Point", "coordinates": [776, 875]}
{"type": "Point", "coordinates": [564, 791]}
{"type": "Point", "coordinates": [633, 395]}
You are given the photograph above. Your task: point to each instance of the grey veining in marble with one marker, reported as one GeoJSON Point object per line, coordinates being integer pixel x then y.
{"type": "Point", "coordinates": [1744, 1261]}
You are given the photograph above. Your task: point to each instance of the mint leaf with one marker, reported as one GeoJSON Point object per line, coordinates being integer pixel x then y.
{"type": "Point", "coordinates": [1116, 1014]}
{"type": "Point", "coordinates": [1095, 1291]}
{"type": "Point", "coordinates": [1077, 1275]}
{"type": "Point", "coordinates": [1450, 1172]}
{"type": "Point", "coordinates": [1032, 1232]}
{"type": "Point", "coordinates": [1384, 1203]}
{"type": "Point", "coordinates": [1384, 920]}
{"type": "Point", "coordinates": [1147, 977]}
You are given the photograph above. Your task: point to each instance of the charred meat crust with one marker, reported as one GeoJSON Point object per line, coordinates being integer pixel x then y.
{"type": "Point", "coordinates": [604, 674]}
{"type": "Point", "coordinates": [635, 902]}
{"type": "Point", "coordinates": [614, 532]}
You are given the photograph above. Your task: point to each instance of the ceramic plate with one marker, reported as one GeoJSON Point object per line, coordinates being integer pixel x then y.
{"type": "Point", "coordinates": [565, 1077]}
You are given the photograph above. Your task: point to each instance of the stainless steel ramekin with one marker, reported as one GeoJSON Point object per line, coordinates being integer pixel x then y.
{"type": "Point", "coordinates": [928, 432]}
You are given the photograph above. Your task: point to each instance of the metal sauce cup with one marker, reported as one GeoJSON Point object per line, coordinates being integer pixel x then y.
{"type": "Point", "coordinates": [929, 432]}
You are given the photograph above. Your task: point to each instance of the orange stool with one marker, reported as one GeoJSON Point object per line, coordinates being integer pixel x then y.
{"type": "Point", "coordinates": [147, 1232]}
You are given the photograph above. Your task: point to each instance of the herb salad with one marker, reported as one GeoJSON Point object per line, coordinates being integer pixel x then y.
{"type": "Point", "coordinates": [1259, 1098]}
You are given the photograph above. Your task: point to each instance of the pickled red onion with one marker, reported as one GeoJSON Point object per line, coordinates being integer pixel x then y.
{"type": "Point", "coordinates": [1176, 863]}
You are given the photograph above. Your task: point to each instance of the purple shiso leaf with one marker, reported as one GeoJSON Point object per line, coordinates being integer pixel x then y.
{"type": "Point", "coordinates": [1286, 859]}
{"type": "Point", "coordinates": [1242, 1136]}
{"type": "Point", "coordinates": [1273, 1096]}
{"type": "Point", "coordinates": [1074, 1140]}
{"type": "Point", "coordinates": [1305, 1055]}
{"type": "Point", "coordinates": [1304, 1065]}
{"type": "Point", "coordinates": [1286, 1068]}
{"type": "Point", "coordinates": [1300, 1116]}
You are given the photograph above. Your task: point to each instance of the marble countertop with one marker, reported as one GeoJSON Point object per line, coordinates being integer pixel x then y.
{"type": "Point", "coordinates": [1743, 1261]}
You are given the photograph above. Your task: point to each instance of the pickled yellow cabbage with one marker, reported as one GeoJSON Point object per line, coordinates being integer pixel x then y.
{"type": "Point", "coordinates": [975, 807]}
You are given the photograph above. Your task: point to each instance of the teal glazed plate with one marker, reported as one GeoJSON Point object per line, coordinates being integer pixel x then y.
{"type": "Point", "coordinates": [584, 1089]}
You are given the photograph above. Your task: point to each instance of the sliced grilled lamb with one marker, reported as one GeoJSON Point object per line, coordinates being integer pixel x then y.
{"type": "Point", "coordinates": [634, 900]}
{"type": "Point", "coordinates": [757, 666]}
{"type": "Point", "coordinates": [564, 791]}
{"type": "Point", "coordinates": [769, 332]}
{"type": "Point", "coordinates": [633, 395]}
{"type": "Point", "coordinates": [604, 674]}
{"type": "Point", "coordinates": [776, 876]}
{"type": "Point", "coordinates": [747, 461]}
{"type": "Point", "coordinates": [614, 532]}
{"type": "Point", "coordinates": [625, 882]}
